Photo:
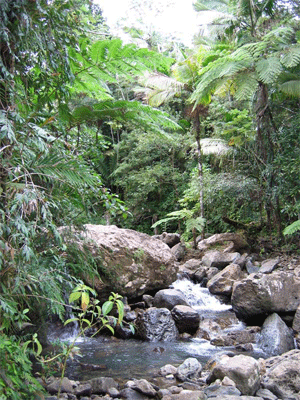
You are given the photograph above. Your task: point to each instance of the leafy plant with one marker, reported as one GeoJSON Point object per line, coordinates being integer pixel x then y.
{"type": "Point", "coordinates": [292, 228]}
{"type": "Point", "coordinates": [16, 380]}
{"type": "Point", "coordinates": [192, 224]}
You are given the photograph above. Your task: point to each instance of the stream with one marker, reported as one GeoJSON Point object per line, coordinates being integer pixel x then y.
{"type": "Point", "coordinates": [127, 359]}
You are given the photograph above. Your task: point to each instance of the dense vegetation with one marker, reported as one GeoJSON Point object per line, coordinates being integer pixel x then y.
{"type": "Point", "coordinates": [95, 131]}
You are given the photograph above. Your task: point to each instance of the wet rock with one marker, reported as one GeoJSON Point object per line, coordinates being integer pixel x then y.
{"type": "Point", "coordinates": [113, 392]}
{"type": "Point", "coordinates": [275, 338]}
{"type": "Point", "coordinates": [148, 300]}
{"type": "Point", "coordinates": [84, 389]}
{"type": "Point", "coordinates": [189, 369]}
{"type": "Point", "coordinates": [169, 298]}
{"type": "Point", "coordinates": [217, 390]}
{"type": "Point", "coordinates": [187, 394]}
{"type": "Point", "coordinates": [222, 282]}
{"type": "Point", "coordinates": [65, 385]}
{"type": "Point", "coordinates": [218, 259]}
{"type": "Point", "coordinates": [101, 385]}
{"type": "Point", "coordinates": [186, 319]}
{"type": "Point", "coordinates": [131, 394]}
{"type": "Point", "coordinates": [243, 370]}
{"type": "Point", "coordinates": [156, 324]}
{"type": "Point", "coordinates": [282, 376]}
{"type": "Point", "coordinates": [263, 294]}
{"type": "Point", "coordinates": [142, 386]}
{"type": "Point", "coordinates": [130, 316]}
{"type": "Point", "coordinates": [167, 370]}
{"type": "Point", "coordinates": [200, 274]}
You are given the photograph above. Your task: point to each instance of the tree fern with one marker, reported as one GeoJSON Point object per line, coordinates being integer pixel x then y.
{"type": "Point", "coordinates": [139, 115]}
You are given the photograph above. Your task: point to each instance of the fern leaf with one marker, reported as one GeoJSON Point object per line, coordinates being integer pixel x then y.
{"type": "Point", "coordinates": [292, 228]}
{"type": "Point", "coordinates": [268, 69]}
{"type": "Point", "coordinates": [292, 57]}
{"type": "Point", "coordinates": [291, 88]}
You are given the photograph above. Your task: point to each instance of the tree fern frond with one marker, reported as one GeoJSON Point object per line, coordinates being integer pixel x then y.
{"type": "Point", "coordinates": [291, 58]}
{"type": "Point", "coordinates": [140, 115]}
{"type": "Point", "coordinates": [268, 69]}
{"type": "Point", "coordinates": [294, 227]}
{"type": "Point", "coordinates": [245, 85]}
{"type": "Point", "coordinates": [291, 88]}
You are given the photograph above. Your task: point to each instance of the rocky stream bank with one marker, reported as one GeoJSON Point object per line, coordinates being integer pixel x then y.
{"type": "Point", "coordinates": [262, 293]}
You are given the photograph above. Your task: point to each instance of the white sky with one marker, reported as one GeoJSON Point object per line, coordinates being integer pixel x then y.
{"type": "Point", "coordinates": [180, 19]}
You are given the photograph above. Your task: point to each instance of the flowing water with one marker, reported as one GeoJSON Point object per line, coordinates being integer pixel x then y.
{"type": "Point", "coordinates": [125, 359]}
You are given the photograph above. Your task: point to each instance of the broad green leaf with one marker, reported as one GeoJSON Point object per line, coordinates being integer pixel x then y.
{"type": "Point", "coordinates": [107, 307]}
{"type": "Point", "coordinates": [74, 296]}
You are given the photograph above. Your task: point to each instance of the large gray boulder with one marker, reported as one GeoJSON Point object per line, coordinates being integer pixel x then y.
{"type": "Point", "coordinates": [186, 319]}
{"type": "Point", "coordinates": [156, 324]}
{"type": "Point", "coordinates": [218, 259]}
{"type": "Point", "coordinates": [275, 337]}
{"type": "Point", "coordinates": [264, 294]}
{"type": "Point", "coordinates": [244, 371]}
{"type": "Point", "coordinates": [223, 281]}
{"type": "Point", "coordinates": [169, 298]}
{"type": "Point", "coordinates": [134, 262]}
{"type": "Point", "coordinates": [282, 375]}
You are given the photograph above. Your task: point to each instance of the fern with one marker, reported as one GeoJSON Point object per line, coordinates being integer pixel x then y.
{"type": "Point", "coordinates": [292, 228]}
{"type": "Point", "coordinates": [269, 69]}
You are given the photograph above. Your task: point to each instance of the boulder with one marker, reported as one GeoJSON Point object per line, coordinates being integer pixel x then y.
{"type": "Point", "coordinates": [187, 394]}
{"type": "Point", "coordinates": [264, 294]}
{"type": "Point", "coordinates": [65, 386]}
{"type": "Point", "coordinates": [189, 369]}
{"type": "Point", "coordinates": [282, 376]}
{"type": "Point", "coordinates": [186, 319]}
{"type": "Point", "coordinates": [101, 385]}
{"type": "Point", "coordinates": [222, 282]}
{"type": "Point", "coordinates": [268, 266]}
{"type": "Point", "coordinates": [296, 321]}
{"type": "Point", "coordinates": [215, 258]}
{"type": "Point", "coordinates": [234, 241]}
{"type": "Point", "coordinates": [178, 251]}
{"type": "Point", "coordinates": [156, 324]}
{"type": "Point", "coordinates": [275, 338]}
{"type": "Point", "coordinates": [142, 386]}
{"type": "Point", "coordinates": [171, 239]}
{"type": "Point", "coordinates": [243, 370]}
{"type": "Point", "coordinates": [169, 298]}
{"type": "Point", "coordinates": [134, 262]}
{"type": "Point", "coordinates": [218, 390]}
{"type": "Point", "coordinates": [168, 369]}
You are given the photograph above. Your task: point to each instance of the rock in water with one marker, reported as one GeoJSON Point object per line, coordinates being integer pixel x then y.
{"type": "Point", "coordinates": [156, 324]}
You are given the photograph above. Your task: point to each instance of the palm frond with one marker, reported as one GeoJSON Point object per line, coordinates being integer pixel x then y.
{"type": "Point", "coordinates": [52, 167]}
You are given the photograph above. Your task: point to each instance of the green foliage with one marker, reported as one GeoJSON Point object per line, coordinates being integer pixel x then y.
{"type": "Point", "coordinates": [292, 228]}
{"type": "Point", "coordinates": [16, 381]}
